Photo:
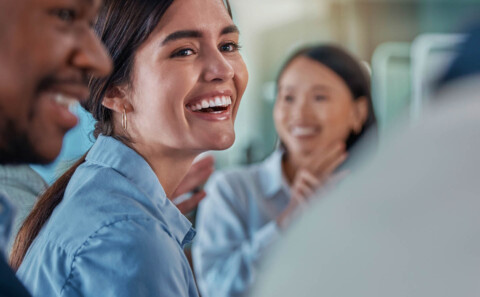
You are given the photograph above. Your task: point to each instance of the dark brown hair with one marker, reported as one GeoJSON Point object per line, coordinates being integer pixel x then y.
{"type": "Point", "coordinates": [350, 70]}
{"type": "Point", "coordinates": [123, 26]}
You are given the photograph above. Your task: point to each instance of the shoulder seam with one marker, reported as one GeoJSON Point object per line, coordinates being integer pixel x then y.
{"type": "Point", "coordinates": [81, 247]}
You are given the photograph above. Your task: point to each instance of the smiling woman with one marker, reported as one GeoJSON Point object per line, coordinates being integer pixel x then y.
{"type": "Point", "coordinates": [107, 228]}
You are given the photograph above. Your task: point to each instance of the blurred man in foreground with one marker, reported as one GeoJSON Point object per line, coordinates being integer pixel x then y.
{"type": "Point", "coordinates": [47, 51]}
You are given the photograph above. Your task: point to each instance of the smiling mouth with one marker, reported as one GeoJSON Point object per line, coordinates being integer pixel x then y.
{"type": "Point", "coordinates": [299, 131]}
{"type": "Point", "coordinates": [66, 94]}
{"type": "Point", "coordinates": [217, 104]}
{"type": "Point", "coordinates": [60, 106]}
{"type": "Point", "coordinates": [64, 100]}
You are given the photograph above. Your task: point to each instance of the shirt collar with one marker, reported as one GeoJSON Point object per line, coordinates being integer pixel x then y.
{"type": "Point", "coordinates": [7, 213]}
{"type": "Point", "coordinates": [272, 179]}
{"type": "Point", "coordinates": [109, 152]}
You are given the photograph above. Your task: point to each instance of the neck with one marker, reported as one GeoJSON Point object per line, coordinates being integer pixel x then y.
{"type": "Point", "coordinates": [290, 166]}
{"type": "Point", "coordinates": [170, 167]}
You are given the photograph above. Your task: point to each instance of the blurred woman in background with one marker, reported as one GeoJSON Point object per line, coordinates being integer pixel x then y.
{"type": "Point", "coordinates": [323, 109]}
{"type": "Point", "coordinates": [107, 227]}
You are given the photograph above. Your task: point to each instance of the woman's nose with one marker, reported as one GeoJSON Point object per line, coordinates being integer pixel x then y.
{"type": "Point", "coordinates": [302, 106]}
{"type": "Point", "coordinates": [217, 67]}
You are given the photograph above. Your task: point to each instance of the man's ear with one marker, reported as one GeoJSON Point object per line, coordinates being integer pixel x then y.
{"type": "Point", "coordinates": [360, 113]}
{"type": "Point", "coordinates": [116, 100]}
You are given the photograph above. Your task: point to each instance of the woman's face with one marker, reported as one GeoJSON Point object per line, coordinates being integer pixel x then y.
{"type": "Point", "coordinates": [188, 80]}
{"type": "Point", "coordinates": [315, 108]}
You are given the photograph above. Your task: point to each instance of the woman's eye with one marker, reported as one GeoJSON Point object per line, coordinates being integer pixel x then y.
{"type": "Point", "coordinates": [65, 14]}
{"type": "Point", "coordinates": [320, 97]}
{"type": "Point", "coordinates": [230, 47]}
{"type": "Point", "coordinates": [183, 53]}
{"type": "Point", "coordinates": [289, 98]}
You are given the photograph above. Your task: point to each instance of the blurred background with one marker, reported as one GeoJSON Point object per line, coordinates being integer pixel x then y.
{"type": "Point", "coordinates": [405, 43]}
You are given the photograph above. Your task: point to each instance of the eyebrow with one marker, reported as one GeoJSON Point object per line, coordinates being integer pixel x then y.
{"type": "Point", "coordinates": [285, 88]}
{"type": "Point", "coordinates": [290, 88]}
{"type": "Point", "coordinates": [229, 30]}
{"type": "Point", "coordinates": [196, 34]}
{"type": "Point", "coordinates": [320, 88]}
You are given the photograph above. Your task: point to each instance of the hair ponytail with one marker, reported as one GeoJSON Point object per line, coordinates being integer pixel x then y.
{"type": "Point", "coordinates": [40, 214]}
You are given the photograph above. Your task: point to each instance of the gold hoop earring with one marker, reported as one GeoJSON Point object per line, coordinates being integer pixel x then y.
{"type": "Point", "coordinates": [124, 119]}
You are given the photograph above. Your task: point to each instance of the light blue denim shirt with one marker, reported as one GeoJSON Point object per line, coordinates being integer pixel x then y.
{"type": "Point", "coordinates": [114, 234]}
{"type": "Point", "coordinates": [236, 225]}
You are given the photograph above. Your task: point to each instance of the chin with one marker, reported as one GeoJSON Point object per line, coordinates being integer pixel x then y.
{"type": "Point", "coordinates": [48, 154]}
{"type": "Point", "coordinates": [20, 149]}
{"type": "Point", "coordinates": [222, 142]}
{"type": "Point", "coordinates": [302, 150]}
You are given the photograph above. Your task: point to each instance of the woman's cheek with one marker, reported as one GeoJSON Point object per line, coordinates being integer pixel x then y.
{"type": "Point", "coordinates": [241, 75]}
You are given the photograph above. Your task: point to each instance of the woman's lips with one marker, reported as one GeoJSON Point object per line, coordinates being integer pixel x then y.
{"type": "Point", "coordinates": [303, 131]}
{"type": "Point", "coordinates": [216, 103]}
{"type": "Point", "coordinates": [215, 108]}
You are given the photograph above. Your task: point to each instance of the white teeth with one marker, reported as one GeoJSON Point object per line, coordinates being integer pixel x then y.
{"type": "Point", "coordinates": [214, 102]}
{"type": "Point", "coordinates": [64, 100]}
{"type": "Point", "coordinates": [303, 131]}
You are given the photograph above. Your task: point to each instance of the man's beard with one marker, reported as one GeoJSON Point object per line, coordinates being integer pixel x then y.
{"type": "Point", "coordinates": [15, 145]}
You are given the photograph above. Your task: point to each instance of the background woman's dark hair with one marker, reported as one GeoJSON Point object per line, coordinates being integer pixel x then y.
{"type": "Point", "coordinates": [350, 70]}
{"type": "Point", "coordinates": [123, 26]}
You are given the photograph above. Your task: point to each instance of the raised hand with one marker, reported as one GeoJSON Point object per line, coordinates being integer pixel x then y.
{"type": "Point", "coordinates": [315, 172]}
{"type": "Point", "coordinates": [193, 182]}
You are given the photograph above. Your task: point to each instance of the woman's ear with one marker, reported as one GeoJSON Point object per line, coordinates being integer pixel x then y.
{"type": "Point", "coordinates": [360, 113]}
{"type": "Point", "coordinates": [116, 100]}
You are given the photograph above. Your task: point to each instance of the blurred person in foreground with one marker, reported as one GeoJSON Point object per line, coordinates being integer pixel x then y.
{"type": "Point", "coordinates": [323, 109]}
{"type": "Point", "coordinates": [23, 185]}
{"type": "Point", "coordinates": [409, 224]}
{"type": "Point", "coordinates": [47, 50]}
